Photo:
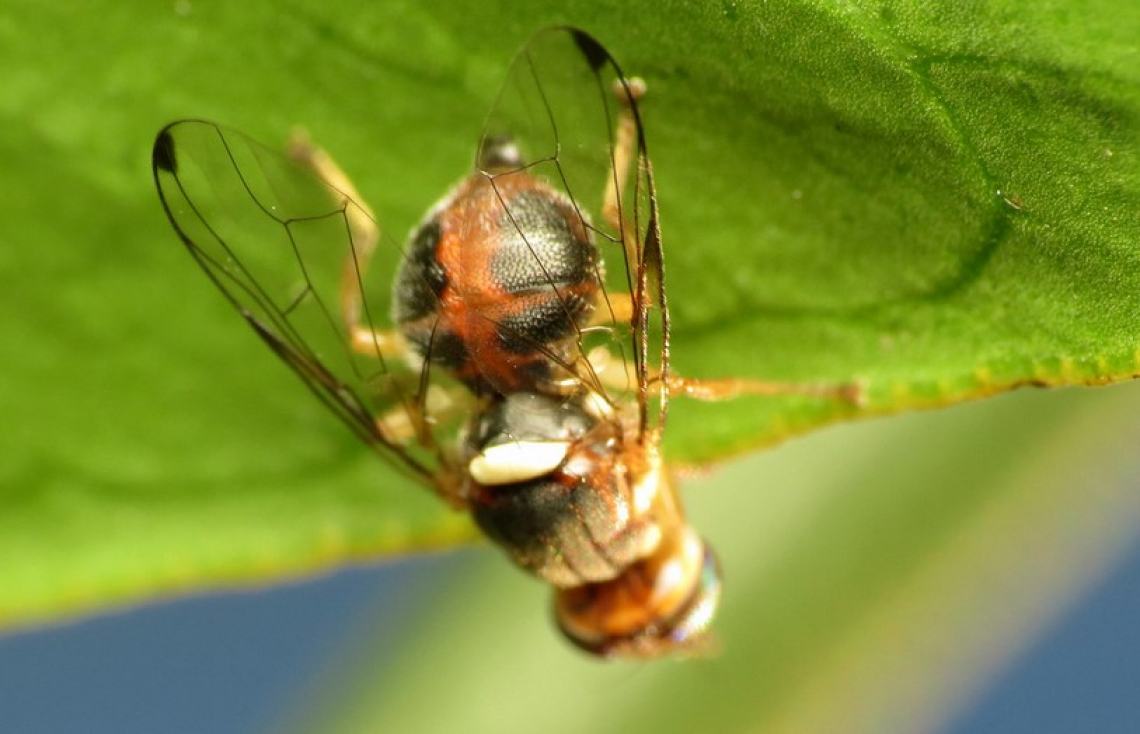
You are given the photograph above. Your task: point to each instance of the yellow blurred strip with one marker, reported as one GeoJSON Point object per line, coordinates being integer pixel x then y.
{"type": "Point", "coordinates": [936, 640]}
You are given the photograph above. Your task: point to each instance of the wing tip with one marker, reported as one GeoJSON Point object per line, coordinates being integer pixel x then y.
{"type": "Point", "coordinates": [162, 156]}
{"type": "Point", "coordinates": [592, 49]}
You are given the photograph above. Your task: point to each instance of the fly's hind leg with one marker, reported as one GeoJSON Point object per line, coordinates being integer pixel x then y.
{"type": "Point", "coordinates": [365, 234]}
{"type": "Point", "coordinates": [415, 410]}
{"type": "Point", "coordinates": [619, 374]}
{"type": "Point", "coordinates": [727, 388]}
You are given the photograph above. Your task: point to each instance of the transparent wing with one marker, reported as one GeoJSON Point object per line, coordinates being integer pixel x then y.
{"type": "Point", "coordinates": [287, 249]}
{"type": "Point", "coordinates": [574, 117]}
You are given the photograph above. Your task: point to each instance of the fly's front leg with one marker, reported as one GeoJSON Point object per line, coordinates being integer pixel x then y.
{"type": "Point", "coordinates": [412, 421]}
{"type": "Point", "coordinates": [617, 308]}
{"type": "Point", "coordinates": [626, 144]}
{"type": "Point", "coordinates": [619, 373]}
{"type": "Point", "coordinates": [365, 234]}
{"type": "Point", "coordinates": [611, 310]}
{"type": "Point", "coordinates": [598, 369]}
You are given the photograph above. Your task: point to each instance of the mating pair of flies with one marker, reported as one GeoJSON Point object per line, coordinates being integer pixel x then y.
{"type": "Point", "coordinates": [517, 372]}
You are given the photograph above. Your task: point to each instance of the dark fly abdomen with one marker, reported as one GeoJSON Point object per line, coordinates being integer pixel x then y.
{"type": "Point", "coordinates": [579, 522]}
{"type": "Point", "coordinates": [601, 525]}
{"type": "Point", "coordinates": [563, 527]}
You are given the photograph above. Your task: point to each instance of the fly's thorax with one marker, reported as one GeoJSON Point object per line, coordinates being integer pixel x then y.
{"type": "Point", "coordinates": [497, 281]}
{"type": "Point", "coordinates": [557, 488]}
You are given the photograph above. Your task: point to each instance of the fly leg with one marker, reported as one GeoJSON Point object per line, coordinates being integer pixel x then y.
{"type": "Point", "coordinates": [616, 373]}
{"type": "Point", "coordinates": [599, 368]}
{"type": "Point", "coordinates": [416, 408]}
{"type": "Point", "coordinates": [619, 374]}
{"type": "Point", "coordinates": [727, 388]}
{"type": "Point", "coordinates": [365, 234]}
{"type": "Point", "coordinates": [412, 420]}
{"type": "Point", "coordinates": [625, 150]}
{"type": "Point", "coordinates": [645, 263]}
{"type": "Point", "coordinates": [626, 144]}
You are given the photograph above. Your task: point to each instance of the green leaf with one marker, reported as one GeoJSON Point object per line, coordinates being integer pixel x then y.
{"type": "Point", "coordinates": [939, 203]}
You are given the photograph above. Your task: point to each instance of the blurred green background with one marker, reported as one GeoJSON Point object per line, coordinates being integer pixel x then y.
{"type": "Point", "coordinates": [878, 574]}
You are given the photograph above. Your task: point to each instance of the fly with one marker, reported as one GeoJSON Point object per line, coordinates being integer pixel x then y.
{"type": "Point", "coordinates": [521, 368]}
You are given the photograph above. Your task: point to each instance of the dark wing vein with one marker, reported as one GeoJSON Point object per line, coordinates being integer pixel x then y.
{"type": "Point", "coordinates": [270, 237]}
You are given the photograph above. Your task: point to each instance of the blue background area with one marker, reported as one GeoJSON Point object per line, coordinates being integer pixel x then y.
{"type": "Point", "coordinates": [1083, 676]}
{"type": "Point", "coordinates": [226, 663]}
{"type": "Point", "coordinates": [238, 662]}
